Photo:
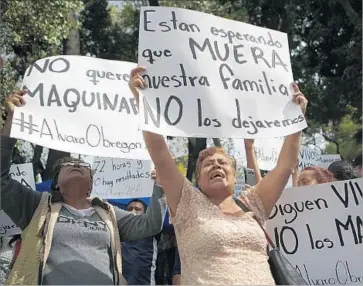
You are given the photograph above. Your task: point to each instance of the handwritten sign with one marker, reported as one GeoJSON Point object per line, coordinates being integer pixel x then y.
{"type": "Point", "coordinates": [212, 77]}
{"type": "Point", "coordinates": [268, 151]}
{"type": "Point", "coordinates": [320, 230]}
{"type": "Point", "coordinates": [23, 173]}
{"type": "Point", "coordinates": [7, 227]}
{"type": "Point", "coordinates": [122, 178]}
{"type": "Point", "coordinates": [81, 105]}
{"type": "Point", "coordinates": [327, 159]}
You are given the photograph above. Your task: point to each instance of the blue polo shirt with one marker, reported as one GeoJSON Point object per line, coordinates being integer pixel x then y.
{"type": "Point", "coordinates": [139, 260]}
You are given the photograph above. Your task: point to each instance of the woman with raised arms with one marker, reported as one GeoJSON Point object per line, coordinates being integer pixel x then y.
{"type": "Point", "coordinates": [69, 238]}
{"type": "Point", "coordinates": [218, 243]}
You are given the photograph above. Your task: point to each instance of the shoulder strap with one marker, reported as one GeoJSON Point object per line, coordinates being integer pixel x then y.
{"type": "Point", "coordinates": [246, 209]}
{"type": "Point", "coordinates": [242, 205]}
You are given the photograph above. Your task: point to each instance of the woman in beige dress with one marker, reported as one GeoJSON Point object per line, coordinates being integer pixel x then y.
{"type": "Point", "coordinates": [218, 243]}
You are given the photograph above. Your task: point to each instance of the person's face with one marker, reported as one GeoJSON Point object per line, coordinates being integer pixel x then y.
{"type": "Point", "coordinates": [307, 178]}
{"type": "Point", "coordinates": [217, 176]}
{"type": "Point", "coordinates": [136, 208]}
{"type": "Point", "coordinates": [75, 172]}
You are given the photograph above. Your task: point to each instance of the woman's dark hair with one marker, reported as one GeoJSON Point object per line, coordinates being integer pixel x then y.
{"type": "Point", "coordinates": [342, 170]}
{"type": "Point", "coordinates": [357, 160]}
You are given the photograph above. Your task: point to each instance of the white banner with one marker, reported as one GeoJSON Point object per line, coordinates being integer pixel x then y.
{"type": "Point", "coordinates": [122, 178]}
{"type": "Point", "coordinates": [81, 105]}
{"type": "Point", "coordinates": [319, 229]}
{"type": "Point", "coordinates": [23, 173]}
{"type": "Point", "coordinates": [327, 159]}
{"type": "Point", "coordinates": [268, 151]}
{"type": "Point", "coordinates": [212, 77]}
{"type": "Point", "coordinates": [7, 227]}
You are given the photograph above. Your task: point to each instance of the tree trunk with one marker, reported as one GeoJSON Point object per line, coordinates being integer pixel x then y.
{"type": "Point", "coordinates": [217, 142]}
{"type": "Point", "coordinates": [37, 163]}
{"type": "Point", "coordinates": [71, 47]}
{"type": "Point", "coordinates": [195, 145]}
{"type": "Point", "coordinates": [72, 44]}
{"type": "Point", "coordinates": [154, 2]}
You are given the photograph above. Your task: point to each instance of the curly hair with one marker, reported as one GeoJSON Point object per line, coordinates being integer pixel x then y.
{"type": "Point", "coordinates": [321, 175]}
{"type": "Point", "coordinates": [210, 151]}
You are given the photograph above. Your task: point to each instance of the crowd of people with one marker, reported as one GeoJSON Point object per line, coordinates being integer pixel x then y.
{"type": "Point", "coordinates": [70, 237]}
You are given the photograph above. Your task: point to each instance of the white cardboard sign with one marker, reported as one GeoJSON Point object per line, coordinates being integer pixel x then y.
{"type": "Point", "coordinates": [81, 105]}
{"type": "Point", "coordinates": [327, 159]}
{"type": "Point", "coordinates": [319, 229]}
{"type": "Point", "coordinates": [212, 77]}
{"type": "Point", "coordinates": [122, 178]}
{"type": "Point", "coordinates": [268, 151]}
{"type": "Point", "coordinates": [23, 173]}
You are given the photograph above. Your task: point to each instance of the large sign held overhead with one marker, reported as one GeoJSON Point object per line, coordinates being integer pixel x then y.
{"type": "Point", "coordinates": [23, 173]}
{"type": "Point", "coordinates": [319, 229]}
{"type": "Point", "coordinates": [81, 105]}
{"type": "Point", "coordinates": [121, 178]}
{"type": "Point", "coordinates": [212, 77]}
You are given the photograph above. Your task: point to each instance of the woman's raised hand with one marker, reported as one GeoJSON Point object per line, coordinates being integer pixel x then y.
{"type": "Point", "coordinates": [136, 81]}
{"type": "Point", "coordinates": [14, 99]}
{"type": "Point", "coordinates": [299, 98]}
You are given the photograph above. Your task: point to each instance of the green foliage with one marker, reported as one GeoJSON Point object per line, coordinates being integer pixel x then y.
{"type": "Point", "coordinates": [108, 33]}
{"type": "Point", "coordinates": [32, 30]}
{"type": "Point", "coordinates": [341, 136]}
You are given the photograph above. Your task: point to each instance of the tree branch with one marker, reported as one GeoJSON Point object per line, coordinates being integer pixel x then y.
{"type": "Point", "coordinates": [327, 138]}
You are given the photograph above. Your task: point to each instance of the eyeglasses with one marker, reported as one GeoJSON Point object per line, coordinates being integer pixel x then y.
{"type": "Point", "coordinates": [80, 164]}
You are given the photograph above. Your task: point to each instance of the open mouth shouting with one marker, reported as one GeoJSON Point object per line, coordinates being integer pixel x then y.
{"type": "Point", "coordinates": [216, 174]}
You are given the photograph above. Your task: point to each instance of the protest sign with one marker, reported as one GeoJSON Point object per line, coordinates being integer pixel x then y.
{"type": "Point", "coordinates": [268, 151]}
{"type": "Point", "coordinates": [213, 77]}
{"type": "Point", "coordinates": [7, 227]}
{"type": "Point", "coordinates": [309, 157]}
{"type": "Point", "coordinates": [121, 178]}
{"type": "Point", "coordinates": [327, 159]}
{"type": "Point", "coordinates": [319, 229]}
{"type": "Point", "coordinates": [81, 105]}
{"type": "Point", "coordinates": [23, 173]}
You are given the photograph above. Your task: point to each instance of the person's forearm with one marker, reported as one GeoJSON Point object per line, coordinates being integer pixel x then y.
{"type": "Point", "coordinates": [289, 154]}
{"type": "Point", "coordinates": [156, 212]}
{"type": "Point", "coordinates": [157, 147]}
{"type": "Point", "coordinates": [252, 162]}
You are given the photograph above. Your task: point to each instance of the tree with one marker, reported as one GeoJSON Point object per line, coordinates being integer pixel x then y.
{"type": "Point", "coordinates": [71, 46]}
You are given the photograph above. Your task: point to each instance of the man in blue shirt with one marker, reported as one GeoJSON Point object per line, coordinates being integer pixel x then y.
{"type": "Point", "coordinates": [139, 256]}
